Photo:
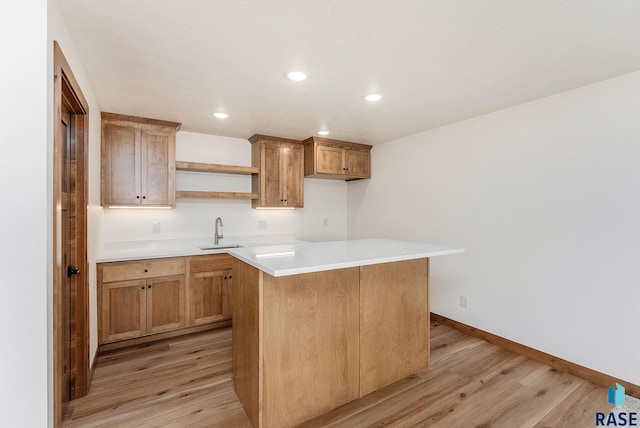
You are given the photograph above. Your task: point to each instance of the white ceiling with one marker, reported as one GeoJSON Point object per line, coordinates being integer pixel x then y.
{"type": "Point", "coordinates": [436, 62]}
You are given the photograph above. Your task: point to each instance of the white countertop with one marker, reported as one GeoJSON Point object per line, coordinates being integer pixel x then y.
{"type": "Point", "coordinates": [292, 259]}
{"type": "Point", "coordinates": [134, 250]}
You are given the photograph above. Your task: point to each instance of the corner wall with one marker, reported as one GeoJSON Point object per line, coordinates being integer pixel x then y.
{"type": "Point", "coordinates": [545, 197]}
{"type": "Point", "coordinates": [24, 375]}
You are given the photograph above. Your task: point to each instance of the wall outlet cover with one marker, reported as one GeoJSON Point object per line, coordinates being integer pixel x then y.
{"type": "Point", "coordinates": [464, 302]}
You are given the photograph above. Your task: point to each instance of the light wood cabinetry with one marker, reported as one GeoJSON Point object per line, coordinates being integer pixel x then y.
{"type": "Point", "coordinates": [138, 161]}
{"type": "Point", "coordinates": [342, 160]}
{"type": "Point", "coordinates": [280, 181]}
{"type": "Point", "coordinates": [348, 332]}
{"type": "Point", "coordinates": [140, 297]}
{"type": "Point", "coordinates": [209, 282]}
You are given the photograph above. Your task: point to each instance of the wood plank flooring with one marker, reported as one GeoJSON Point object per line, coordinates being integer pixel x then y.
{"type": "Point", "coordinates": [186, 382]}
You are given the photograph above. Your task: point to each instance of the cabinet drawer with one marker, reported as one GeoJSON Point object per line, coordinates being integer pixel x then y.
{"type": "Point", "coordinates": [122, 271]}
{"type": "Point", "coordinates": [209, 263]}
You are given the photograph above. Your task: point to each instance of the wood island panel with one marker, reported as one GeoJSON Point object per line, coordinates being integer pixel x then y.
{"type": "Point", "coordinates": [311, 348]}
{"type": "Point", "coordinates": [306, 344]}
{"type": "Point", "coordinates": [247, 339]}
{"type": "Point", "coordinates": [394, 322]}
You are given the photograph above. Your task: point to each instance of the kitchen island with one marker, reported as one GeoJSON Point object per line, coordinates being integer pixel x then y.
{"type": "Point", "coordinates": [317, 325]}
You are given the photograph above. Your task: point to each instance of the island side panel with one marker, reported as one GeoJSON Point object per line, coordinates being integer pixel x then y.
{"type": "Point", "coordinates": [394, 322]}
{"type": "Point", "coordinates": [246, 295]}
{"type": "Point", "coordinates": [311, 344]}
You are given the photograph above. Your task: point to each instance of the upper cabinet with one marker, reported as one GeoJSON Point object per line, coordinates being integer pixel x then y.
{"type": "Point", "coordinates": [326, 158]}
{"type": "Point", "coordinates": [280, 180]}
{"type": "Point", "coordinates": [138, 161]}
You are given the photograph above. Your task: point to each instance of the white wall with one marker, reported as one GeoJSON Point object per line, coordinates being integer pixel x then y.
{"type": "Point", "coordinates": [57, 31]}
{"type": "Point", "coordinates": [545, 197]}
{"type": "Point", "coordinates": [194, 218]}
{"type": "Point", "coordinates": [27, 31]}
{"type": "Point", "coordinates": [25, 210]}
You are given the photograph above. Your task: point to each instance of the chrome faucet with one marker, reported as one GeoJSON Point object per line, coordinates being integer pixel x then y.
{"type": "Point", "coordinates": [218, 233]}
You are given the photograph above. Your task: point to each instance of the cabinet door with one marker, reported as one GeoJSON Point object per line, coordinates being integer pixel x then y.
{"type": "Point", "coordinates": [165, 303]}
{"type": "Point", "coordinates": [229, 275]}
{"type": "Point", "coordinates": [271, 168]}
{"type": "Point", "coordinates": [292, 175]}
{"type": "Point", "coordinates": [123, 310]}
{"type": "Point", "coordinates": [358, 163]}
{"type": "Point", "coordinates": [120, 165]}
{"type": "Point", "coordinates": [157, 168]}
{"type": "Point", "coordinates": [329, 160]}
{"type": "Point", "coordinates": [208, 297]}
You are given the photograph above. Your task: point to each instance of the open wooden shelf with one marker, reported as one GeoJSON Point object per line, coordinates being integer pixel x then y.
{"type": "Point", "coordinates": [215, 195]}
{"type": "Point", "coordinates": [214, 167]}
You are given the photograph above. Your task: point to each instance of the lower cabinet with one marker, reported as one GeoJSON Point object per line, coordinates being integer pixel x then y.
{"type": "Point", "coordinates": [209, 281]}
{"type": "Point", "coordinates": [140, 297]}
{"type": "Point", "coordinates": [144, 297]}
{"type": "Point", "coordinates": [138, 307]}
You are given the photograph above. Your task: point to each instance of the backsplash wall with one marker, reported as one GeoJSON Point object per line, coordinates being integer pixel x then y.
{"type": "Point", "coordinates": [194, 218]}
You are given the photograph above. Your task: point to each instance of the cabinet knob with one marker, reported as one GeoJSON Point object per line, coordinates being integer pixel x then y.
{"type": "Point", "coordinates": [146, 270]}
{"type": "Point", "coordinates": [138, 197]}
{"type": "Point", "coordinates": [142, 288]}
{"type": "Point", "coordinates": [230, 276]}
{"type": "Point", "coordinates": [149, 286]}
{"type": "Point", "coordinates": [144, 197]}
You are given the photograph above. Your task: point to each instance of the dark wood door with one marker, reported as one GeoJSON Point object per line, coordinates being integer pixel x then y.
{"type": "Point", "coordinates": [68, 250]}
{"type": "Point", "coordinates": [70, 199]}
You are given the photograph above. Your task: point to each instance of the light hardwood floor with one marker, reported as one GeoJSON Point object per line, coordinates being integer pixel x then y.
{"type": "Point", "coordinates": [186, 382]}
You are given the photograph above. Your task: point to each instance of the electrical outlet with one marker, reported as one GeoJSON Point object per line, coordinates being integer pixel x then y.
{"type": "Point", "coordinates": [325, 222]}
{"type": "Point", "coordinates": [464, 302]}
{"type": "Point", "coordinates": [155, 227]}
{"type": "Point", "coordinates": [262, 225]}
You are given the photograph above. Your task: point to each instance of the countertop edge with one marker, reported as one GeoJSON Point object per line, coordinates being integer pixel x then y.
{"type": "Point", "coordinates": [346, 264]}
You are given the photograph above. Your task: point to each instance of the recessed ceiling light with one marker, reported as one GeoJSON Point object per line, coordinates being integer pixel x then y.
{"type": "Point", "coordinates": [373, 97]}
{"type": "Point", "coordinates": [323, 133]}
{"type": "Point", "coordinates": [297, 75]}
{"type": "Point", "coordinates": [221, 115]}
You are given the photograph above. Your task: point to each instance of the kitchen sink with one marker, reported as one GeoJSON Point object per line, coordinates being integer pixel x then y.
{"type": "Point", "coordinates": [220, 247]}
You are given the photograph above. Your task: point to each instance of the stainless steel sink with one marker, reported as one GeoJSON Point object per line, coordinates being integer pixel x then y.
{"type": "Point", "coordinates": [220, 247]}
